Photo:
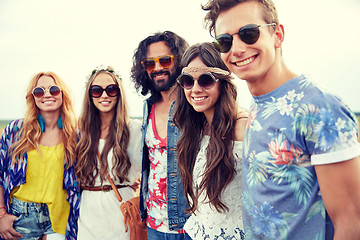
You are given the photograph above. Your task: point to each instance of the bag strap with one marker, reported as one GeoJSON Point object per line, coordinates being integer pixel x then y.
{"type": "Point", "coordinates": [116, 191]}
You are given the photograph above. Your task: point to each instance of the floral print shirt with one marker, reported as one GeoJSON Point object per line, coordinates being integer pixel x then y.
{"type": "Point", "coordinates": [291, 129]}
{"type": "Point", "coordinates": [156, 204]}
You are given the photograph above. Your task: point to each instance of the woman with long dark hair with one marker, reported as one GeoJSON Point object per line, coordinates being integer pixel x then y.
{"type": "Point", "coordinates": [210, 146]}
{"type": "Point", "coordinates": [110, 143]}
{"type": "Point", "coordinates": [38, 191]}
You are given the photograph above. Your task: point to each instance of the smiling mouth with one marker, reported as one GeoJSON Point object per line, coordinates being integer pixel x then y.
{"type": "Point", "coordinates": [245, 62]}
{"type": "Point", "coordinates": [49, 101]}
{"type": "Point", "coordinates": [199, 98]}
{"type": "Point", "coordinates": [159, 75]}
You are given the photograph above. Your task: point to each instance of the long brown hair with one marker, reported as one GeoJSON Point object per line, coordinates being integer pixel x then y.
{"type": "Point", "coordinates": [30, 134]}
{"type": "Point", "coordinates": [220, 165]}
{"type": "Point", "coordinates": [90, 130]}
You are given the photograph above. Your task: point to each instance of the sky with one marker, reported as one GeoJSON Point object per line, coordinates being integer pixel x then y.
{"type": "Point", "coordinates": [72, 37]}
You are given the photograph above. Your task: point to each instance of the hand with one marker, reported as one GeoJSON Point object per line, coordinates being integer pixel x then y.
{"type": "Point", "coordinates": [6, 227]}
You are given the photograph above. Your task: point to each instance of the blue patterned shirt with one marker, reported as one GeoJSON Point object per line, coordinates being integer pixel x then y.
{"type": "Point", "coordinates": [291, 129]}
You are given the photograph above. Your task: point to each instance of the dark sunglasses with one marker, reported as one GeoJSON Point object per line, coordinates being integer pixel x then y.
{"type": "Point", "coordinates": [40, 91]}
{"type": "Point", "coordinates": [205, 81]}
{"type": "Point", "coordinates": [165, 61]}
{"type": "Point", "coordinates": [249, 34]}
{"type": "Point", "coordinates": [111, 90]}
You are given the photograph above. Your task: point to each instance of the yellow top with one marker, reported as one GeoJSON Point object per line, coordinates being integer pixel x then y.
{"type": "Point", "coordinates": [44, 184]}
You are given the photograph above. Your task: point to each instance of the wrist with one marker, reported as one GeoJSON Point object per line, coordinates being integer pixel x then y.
{"type": "Point", "coordinates": [3, 213]}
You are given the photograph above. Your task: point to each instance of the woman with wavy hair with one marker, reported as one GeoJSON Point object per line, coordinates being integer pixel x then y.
{"type": "Point", "coordinates": [38, 194]}
{"type": "Point", "coordinates": [109, 143]}
{"type": "Point", "coordinates": [210, 146]}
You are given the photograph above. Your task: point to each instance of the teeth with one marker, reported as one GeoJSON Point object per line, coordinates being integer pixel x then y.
{"type": "Point", "coordinates": [160, 76]}
{"type": "Point", "coordinates": [247, 61]}
{"type": "Point", "coordinates": [199, 98]}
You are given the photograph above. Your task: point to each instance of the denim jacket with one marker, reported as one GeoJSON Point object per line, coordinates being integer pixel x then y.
{"type": "Point", "coordinates": [176, 201]}
{"type": "Point", "coordinates": [12, 175]}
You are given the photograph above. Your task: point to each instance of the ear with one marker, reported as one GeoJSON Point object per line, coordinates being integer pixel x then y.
{"type": "Point", "coordinates": [279, 35]}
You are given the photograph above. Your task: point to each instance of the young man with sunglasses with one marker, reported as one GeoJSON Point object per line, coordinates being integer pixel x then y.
{"type": "Point", "coordinates": [162, 201]}
{"type": "Point", "coordinates": [301, 165]}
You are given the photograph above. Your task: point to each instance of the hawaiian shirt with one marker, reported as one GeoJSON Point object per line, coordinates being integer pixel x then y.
{"type": "Point", "coordinates": [291, 129]}
{"type": "Point", "coordinates": [157, 213]}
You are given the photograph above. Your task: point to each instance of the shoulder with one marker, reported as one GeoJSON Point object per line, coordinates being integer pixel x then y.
{"type": "Point", "coordinates": [134, 123]}
{"type": "Point", "coordinates": [14, 126]}
{"type": "Point", "coordinates": [134, 126]}
{"type": "Point", "coordinates": [240, 124]}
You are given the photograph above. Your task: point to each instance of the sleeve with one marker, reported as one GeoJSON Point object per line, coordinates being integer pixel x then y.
{"type": "Point", "coordinates": [331, 131]}
{"type": "Point", "coordinates": [7, 139]}
{"type": "Point", "coordinates": [3, 155]}
{"type": "Point", "coordinates": [135, 146]}
{"type": "Point", "coordinates": [73, 197]}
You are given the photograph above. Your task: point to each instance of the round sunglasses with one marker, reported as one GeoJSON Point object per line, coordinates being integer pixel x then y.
{"type": "Point", "coordinates": [205, 81]}
{"type": "Point", "coordinates": [111, 90]}
{"type": "Point", "coordinates": [165, 61]}
{"type": "Point", "coordinates": [249, 34]}
{"type": "Point", "coordinates": [40, 91]}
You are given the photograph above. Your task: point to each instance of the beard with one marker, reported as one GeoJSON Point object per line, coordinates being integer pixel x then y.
{"type": "Point", "coordinates": [163, 85]}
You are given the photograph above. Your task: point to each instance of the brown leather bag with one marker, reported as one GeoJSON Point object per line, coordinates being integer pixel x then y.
{"type": "Point", "coordinates": [131, 212]}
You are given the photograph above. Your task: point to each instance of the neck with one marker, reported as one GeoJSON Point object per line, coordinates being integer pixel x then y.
{"type": "Point", "coordinates": [276, 76]}
{"type": "Point", "coordinates": [105, 123]}
{"type": "Point", "coordinates": [168, 96]}
{"type": "Point", "coordinates": [50, 119]}
{"type": "Point", "coordinates": [209, 115]}
{"type": "Point", "coordinates": [106, 119]}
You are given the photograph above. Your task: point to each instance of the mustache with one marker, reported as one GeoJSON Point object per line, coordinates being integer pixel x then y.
{"type": "Point", "coordinates": [153, 74]}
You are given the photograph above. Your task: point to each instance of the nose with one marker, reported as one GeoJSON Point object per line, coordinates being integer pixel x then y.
{"type": "Point", "coordinates": [196, 87]}
{"type": "Point", "coordinates": [47, 93]}
{"type": "Point", "coordinates": [158, 67]}
{"type": "Point", "coordinates": [238, 46]}
{"type": "Point", "coordinates": [102, 95]}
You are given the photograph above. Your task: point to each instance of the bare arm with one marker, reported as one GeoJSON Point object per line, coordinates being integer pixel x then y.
{"type": "Point", "coordinates": [240, 129]}
{"type": "Point", "coordinates": [340, 188]}
{"type": "Point", "coordinates": [6, 222]}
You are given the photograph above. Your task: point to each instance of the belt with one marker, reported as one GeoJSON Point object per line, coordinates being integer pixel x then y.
{"type": "Point", "coordinates": [105, 188]}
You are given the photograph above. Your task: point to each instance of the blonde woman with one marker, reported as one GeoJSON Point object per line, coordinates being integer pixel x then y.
{"type": "Point", "coordinates": [38, 194]}
{"type": "Point", "coordinates": [110, 143]}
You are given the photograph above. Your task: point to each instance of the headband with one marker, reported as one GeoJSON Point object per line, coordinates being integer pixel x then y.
{"type": "Point", "coordinates": [205, 69]}
{"type": "Point", "coordinates": [102, 68]}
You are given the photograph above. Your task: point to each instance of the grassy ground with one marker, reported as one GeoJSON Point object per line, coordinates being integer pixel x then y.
{"type": "Point", "coordinates": [3, 124]}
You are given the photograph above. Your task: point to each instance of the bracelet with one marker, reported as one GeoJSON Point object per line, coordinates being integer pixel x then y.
{"type": "Point", "coordinates": [3, 207]}
{"type": "Point", "coordinates": [3, 214]}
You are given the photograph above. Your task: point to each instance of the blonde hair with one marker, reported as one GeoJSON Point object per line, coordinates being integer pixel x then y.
{"type": "Point", "coordinates": [30, 133]}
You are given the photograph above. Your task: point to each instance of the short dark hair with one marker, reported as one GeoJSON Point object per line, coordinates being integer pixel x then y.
{"type": "Point", "coordinates": [138, 73]}
{"type": "Point", "coordinates": [215, 7]}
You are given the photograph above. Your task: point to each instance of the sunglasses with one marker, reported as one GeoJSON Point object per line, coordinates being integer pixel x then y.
{"type": "Point", "coordinates": [111, 90]}
{"type": "Point", "coordinates": [40, 91]}
{"type": "Point", "coordinates": [165, 61]}
{"type": "Point", "coordinates": [205, 81]}
{"type": "Point", "coordinates": [249, 34]}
